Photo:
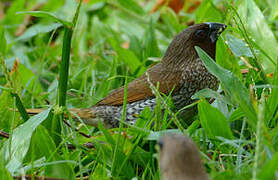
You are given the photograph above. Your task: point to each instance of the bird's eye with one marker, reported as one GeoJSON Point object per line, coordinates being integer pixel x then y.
{"type": "Point", "coordinates": [160, 143]}
{"type": "Point", "coordinates": [201, 34]}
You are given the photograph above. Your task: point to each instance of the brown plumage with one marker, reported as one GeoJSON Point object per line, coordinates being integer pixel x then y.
{"type": "Point", "coordinates": [179, 159]}
{"type": "Point", "coordinates": [139, 88]}
{"type": "Point", "coordinates": [180, 70]}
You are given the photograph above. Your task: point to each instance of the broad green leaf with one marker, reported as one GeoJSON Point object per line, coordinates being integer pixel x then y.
{"type": "Point", "coordinates": [3, 42]}
{"type": "Point", "coordinates": [20, 107]}
{"type": "Point", "coordinates": [269, 170]}
{"type": "Point", "coordinates": [213, 121]}
{"type": "Point", "coordinates": [125, 55]}
{"type": "Point", "coordinates": [120, 22]}
{"type": "Point", "coordinates": [272, 103]}
{"type": "Point", "coordinates": [208, 93]}
{"type": "Point", "coordinates": [37, 29]}
{"type": "Point", "coordinates": [274, 10]}
{"type": "Point", "coordinates": [106, 133]}
{"type": "Point", "coordinates": [236, 114]}
{"type": "Point", "coordinates": [154, 136]}
{"type": "Point", "coordinates": [5, 88]}
{"type": "Point", "coordinates": [3, 171]}
{"type": "Point", "coordinates": [96, 6]}
{"type": "Point", "coordinates": [150, 43]}
{"type": "Point", "coordinates": [62, 169]}
{"type": "Point", "coordinates": [258, 28]}
{"type": "Point", "coordinates": [143, 118]}
{"type": "Point", "coordinates": [38, 140]}
{"type": "Point", "coordinates": [52, 5]}
{"type": "Point", "coordinates": [207, 12]}
{"type": "Point", "coordinates": [225, 59]}
{"type": "Point", "coordinates": [5, 114]}
{"type": "Point", "coordinates": [21, 137]}
{"type": "Point", "coordinates": [171, 20]}
{"type": "Point", "coordinates": [100, 173]}
{"type": "Point", "coordinates": [15, 6]}
{"type": "Point", "coordinates": [131, 5]}
{"type": "Point", "coordinates": [29, 80]}
{"type": "Point", "coordinates": [135, 47]}
{"type": "Point", "coordinates": [232, 85]}
{"type": "Point", "coordinates": [109, 153]}
{"type": "Point", "coordinates": [238, 47]}
{"type": "Point", "coordinates": [25, 82]}
{"type": "Point", "coordinates": [47, 15]}
{"type": "Point", "coordinates": [193, 127]}
{"type": "Point", "coordinates": [48, 152]}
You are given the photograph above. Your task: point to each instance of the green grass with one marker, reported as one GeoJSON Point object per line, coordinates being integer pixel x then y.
{"type": "Point", "coordinates": [237, 134]}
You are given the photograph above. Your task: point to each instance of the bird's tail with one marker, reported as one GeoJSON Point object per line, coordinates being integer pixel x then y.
{"type": "Point", "coordinates": [87, 115]}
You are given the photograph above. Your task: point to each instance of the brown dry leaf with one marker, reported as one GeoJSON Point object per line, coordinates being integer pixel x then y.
{"type": "Point", "coordinates": [244, 71]}
{"type": "Point", "coordinates": [2, 14]}
{"type": "Point", "coordinates": [52, 43]}
{"type": "Point", "coordinates": [28, 20]}
{"type": "Point", "coordinates": [270, 75]}
{"type": "Point", "coordinates": [125, 45]}
{"type": "Point", "coordinates": [177, 5]}
{"type": "Point", "coordinates": [84, 1]}
{"type": "Point", "coordinates": [15, 66]}
{"type": "Point", "coordinates": [192, 5]}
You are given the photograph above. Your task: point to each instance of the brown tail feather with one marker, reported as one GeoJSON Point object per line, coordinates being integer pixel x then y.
{"type": "Point", "coordinates": [87, 115]}
{"type": "Point", "coordinates": [83, 113]}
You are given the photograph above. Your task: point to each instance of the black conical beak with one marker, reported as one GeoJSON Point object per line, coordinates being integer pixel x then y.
{"type": "Point", "coordinates": [215, 30]}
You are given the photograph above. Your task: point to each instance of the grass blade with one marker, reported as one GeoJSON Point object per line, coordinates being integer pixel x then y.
{"type": "Point", "coordinates": [47, 15]}
{"type": "Point", "coordinates": [20, 107]}
{"type": "Point", "coordinates": [64, 67]}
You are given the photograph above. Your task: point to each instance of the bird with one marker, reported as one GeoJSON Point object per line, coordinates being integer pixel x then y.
{"type": "Point", "coordinates": [180, 72]}
{"type": "Point", "coordinates": [179, 159]}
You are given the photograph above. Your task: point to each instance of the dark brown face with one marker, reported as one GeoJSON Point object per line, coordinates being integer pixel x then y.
{"type": "Point", "coordinates": [201, 34]}
{"type": "Point", "coordinates": [205, 36]}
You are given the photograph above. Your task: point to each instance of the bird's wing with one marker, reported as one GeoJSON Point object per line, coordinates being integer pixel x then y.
{"type": "Point", "coordinates": [139, 88]}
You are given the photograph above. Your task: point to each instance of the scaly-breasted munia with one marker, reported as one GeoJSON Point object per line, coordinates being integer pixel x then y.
{"type": "Point", "coordinates": [180, 70]}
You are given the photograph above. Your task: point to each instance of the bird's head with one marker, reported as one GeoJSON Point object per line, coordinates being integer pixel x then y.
{"type": "Point", "coordinates": [203, 35]}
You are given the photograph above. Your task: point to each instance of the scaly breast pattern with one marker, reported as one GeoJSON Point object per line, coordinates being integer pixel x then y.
{"type": "Point", "coordinates": [194, 78]}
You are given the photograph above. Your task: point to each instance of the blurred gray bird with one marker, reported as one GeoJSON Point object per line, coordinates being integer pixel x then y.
{"type": "Point", "coordinates": [180, 159]}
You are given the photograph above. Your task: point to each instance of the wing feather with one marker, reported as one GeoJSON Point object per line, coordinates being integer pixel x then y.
{"type": "Point", "coordinates": [139, 88]}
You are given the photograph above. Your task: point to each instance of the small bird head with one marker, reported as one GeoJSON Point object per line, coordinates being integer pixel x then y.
{"type": "Point", "coordinates": [207, 33]}
{"type": "Point", "coordinates": [179, 158]}
{"type": "Point", "coordinates": [203, 35]}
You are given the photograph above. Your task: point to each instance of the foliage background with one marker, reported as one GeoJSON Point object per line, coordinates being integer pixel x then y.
{"type": "Point", "coordinates": [237, 134]}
